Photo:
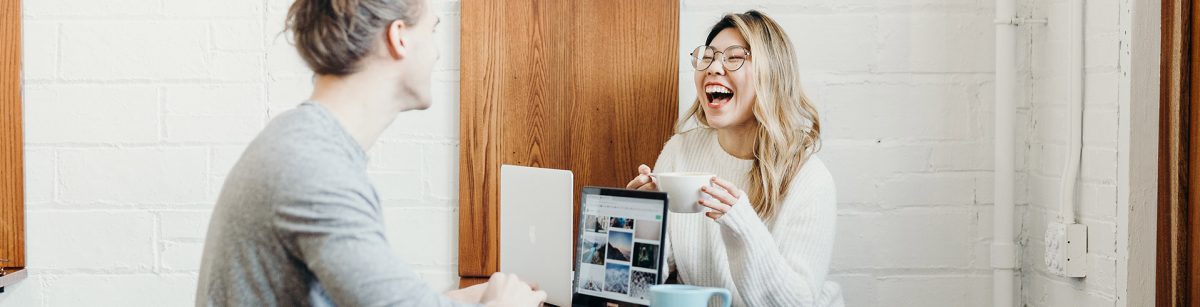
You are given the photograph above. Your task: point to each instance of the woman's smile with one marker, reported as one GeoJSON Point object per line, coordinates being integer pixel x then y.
{"type": "Point", "coordinates": [718, 94]}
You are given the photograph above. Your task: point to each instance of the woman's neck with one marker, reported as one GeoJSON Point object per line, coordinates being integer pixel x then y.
{"type": "Point", "coordinates": [358, 104]}
{"type": "Point", "coordinates": [738, 141]}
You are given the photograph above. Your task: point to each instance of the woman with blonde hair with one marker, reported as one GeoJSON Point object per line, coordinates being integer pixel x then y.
{"type": "Point", "coordinates": [768, 231]}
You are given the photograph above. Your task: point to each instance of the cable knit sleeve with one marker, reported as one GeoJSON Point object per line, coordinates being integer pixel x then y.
{"type": "Point", "coordinates": [785, 265]}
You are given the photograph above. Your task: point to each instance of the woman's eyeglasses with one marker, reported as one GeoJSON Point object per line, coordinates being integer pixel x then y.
{"type": "Point", "coordinates": [732, 58]}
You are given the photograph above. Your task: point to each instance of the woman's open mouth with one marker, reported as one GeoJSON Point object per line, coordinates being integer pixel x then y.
{"type": "Point", "coordinates": [718, 95]}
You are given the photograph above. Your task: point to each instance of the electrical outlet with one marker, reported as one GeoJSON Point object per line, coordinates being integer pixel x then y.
{"type": "Point", "coordinates": [1066, 249]}
{"type": "Point", "coordinates": [1056, 234]}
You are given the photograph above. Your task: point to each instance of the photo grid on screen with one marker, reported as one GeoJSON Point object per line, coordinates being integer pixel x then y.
{"type": "Point", "coordinates": [619, 255]}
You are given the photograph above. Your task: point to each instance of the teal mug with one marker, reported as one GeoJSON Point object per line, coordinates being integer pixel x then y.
{"type": "Point", "coordinates": [686, 296]}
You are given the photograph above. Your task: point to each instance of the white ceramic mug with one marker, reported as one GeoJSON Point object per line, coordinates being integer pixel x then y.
{"type": "Point", "coordinates": [683, 189]}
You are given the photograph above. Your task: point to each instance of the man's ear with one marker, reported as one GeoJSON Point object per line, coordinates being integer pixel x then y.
{"type": "Point", "coordinates": [395, 39]}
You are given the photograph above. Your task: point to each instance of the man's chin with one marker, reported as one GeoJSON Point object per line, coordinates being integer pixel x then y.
{"type": "Point", "coordinates": [421, 104]}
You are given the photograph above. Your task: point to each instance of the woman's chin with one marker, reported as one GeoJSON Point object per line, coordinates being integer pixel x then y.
{"type": "Point", "coordinates": [717, 122]}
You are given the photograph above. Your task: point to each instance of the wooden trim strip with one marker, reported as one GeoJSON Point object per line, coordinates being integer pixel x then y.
{"type": "Point", "coordinates": [12, 166]}
{"type": "Point", "coordinates": [1175, 285]}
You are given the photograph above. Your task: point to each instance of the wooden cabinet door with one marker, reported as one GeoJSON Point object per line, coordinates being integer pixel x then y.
{"type": "Point", "coordinates": [590, 86]}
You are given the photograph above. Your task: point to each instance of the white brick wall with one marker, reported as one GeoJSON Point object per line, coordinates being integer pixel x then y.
{"type": "Point", "coordinates": [136, 110]}
{"type": "Point", "coordinates": [1045, 108]}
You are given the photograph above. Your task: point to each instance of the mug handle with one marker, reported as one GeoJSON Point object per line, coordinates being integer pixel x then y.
{"type": "Point", "coordinates": [723, 293]}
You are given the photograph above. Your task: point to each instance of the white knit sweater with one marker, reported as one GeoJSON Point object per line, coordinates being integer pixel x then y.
{"type": "Point", "coordinates": [779, 263]}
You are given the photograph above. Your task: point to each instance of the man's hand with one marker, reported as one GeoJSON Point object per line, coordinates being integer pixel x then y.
{"type": "Point", "coordinates": [506, 290]}
{"type": "Point", "coordinates": [469, 295]}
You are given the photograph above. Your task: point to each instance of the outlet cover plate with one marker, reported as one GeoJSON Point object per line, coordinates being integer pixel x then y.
{"type": "Point", "coordinates": [1076, 251]}
{"type": "Point", "coordinates": [1066, 249]}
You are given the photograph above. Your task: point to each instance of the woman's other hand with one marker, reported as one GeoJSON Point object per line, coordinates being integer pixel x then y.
{"type": "Point", "coordinates": [724, 196]}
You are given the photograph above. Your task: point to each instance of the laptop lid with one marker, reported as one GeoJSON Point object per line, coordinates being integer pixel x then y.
{"type": "Point", "coordinates": [536, 217]}
{"type": "Point", "coordinates": [620, 246]}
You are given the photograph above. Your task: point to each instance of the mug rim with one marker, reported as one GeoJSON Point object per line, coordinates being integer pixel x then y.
{"type": "Point", "coordinates": [683, 174]}
{"type": "Point", "coordinates": [679, 287]}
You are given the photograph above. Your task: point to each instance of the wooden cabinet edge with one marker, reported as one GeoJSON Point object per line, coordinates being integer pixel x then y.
{"type": "Point", "coordinates": [471, 281]}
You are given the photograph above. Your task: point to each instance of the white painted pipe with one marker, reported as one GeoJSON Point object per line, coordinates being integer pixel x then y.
{"type": "Point", "coordinates": [1070, 175]}
{"type": "Point", "coordinates": [1003, 251]}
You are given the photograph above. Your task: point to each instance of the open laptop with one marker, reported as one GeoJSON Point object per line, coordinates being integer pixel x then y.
{"type": "Point", "coordinates": [619, 242]}
{"type": "Point", "coordinates": [620, 246]}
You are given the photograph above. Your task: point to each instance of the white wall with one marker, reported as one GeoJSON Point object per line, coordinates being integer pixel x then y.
{"type": "Point", "coordinates": [1138, 160]}
{"type": "Point", "coordinates": [1044, 112]}
{"type": "Point", "coordinates": [136, 109]}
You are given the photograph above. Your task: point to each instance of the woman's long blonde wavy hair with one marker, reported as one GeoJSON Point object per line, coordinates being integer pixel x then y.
{"type": "Point", "coordinates": [789, 129]}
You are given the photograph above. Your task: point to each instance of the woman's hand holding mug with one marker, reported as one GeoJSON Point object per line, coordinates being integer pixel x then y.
{"type": "Point", "coordinates": [723, 196]}
{"type": "Point", "coordinates": [643, 181]}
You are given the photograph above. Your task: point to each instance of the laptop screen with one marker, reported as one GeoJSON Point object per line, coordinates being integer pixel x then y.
{"type": "Point", "coordinates": [620, 245]}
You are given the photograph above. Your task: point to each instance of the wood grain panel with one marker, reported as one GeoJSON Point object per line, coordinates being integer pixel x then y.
{"type": "Point", "coordinates": [1190, 220]}
{"type": "Point", "coordinates": [1179, 158]}
{"type": "Point", "coordinates": [588, 86]}
{"type": "Point", "coordinates": [12, 187]}
{"type": "Point", "coordinates": [1169, 149]}
{"type": "Point", "coordinates": [479, 144]}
